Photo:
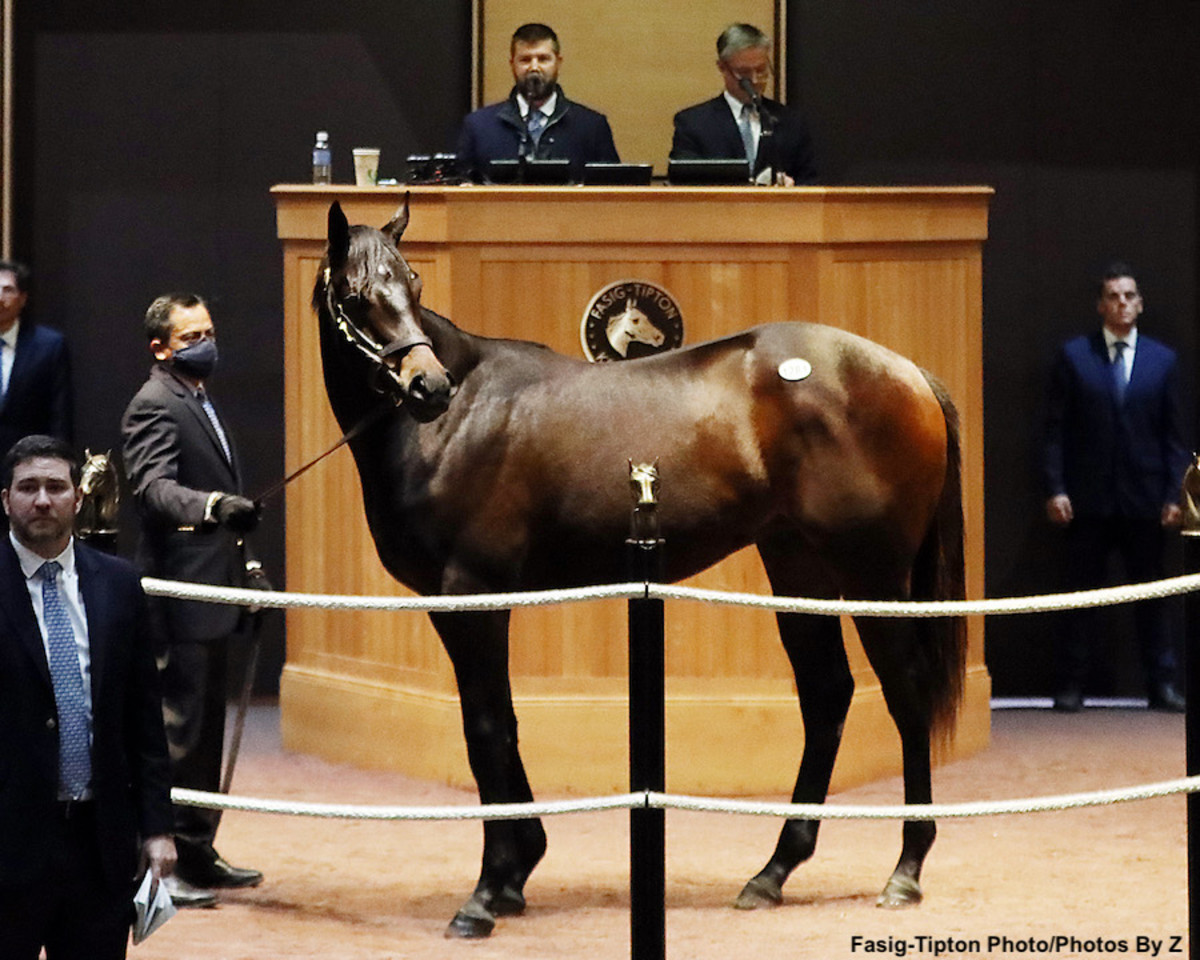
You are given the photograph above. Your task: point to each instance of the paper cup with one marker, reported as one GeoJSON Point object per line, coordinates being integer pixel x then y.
{"type": "Point", "coordinates": [366, 166]}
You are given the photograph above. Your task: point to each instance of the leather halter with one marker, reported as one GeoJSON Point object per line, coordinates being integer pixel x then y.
{"type": "Point", "coordinates": [366, 344]}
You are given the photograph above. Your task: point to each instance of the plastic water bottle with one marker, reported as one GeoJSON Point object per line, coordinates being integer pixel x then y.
{"type": "Point", "coordinates": [322, 159]}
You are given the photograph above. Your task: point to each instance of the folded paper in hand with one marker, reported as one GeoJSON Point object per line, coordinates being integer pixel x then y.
{"type": "Point", "coordinates": [153, 906]}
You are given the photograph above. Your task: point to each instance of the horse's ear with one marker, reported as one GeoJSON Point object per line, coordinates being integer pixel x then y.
{"type": "Point", "coordinates": [396, 226]}
{"type": "Point", "coordinates": [339, 236]}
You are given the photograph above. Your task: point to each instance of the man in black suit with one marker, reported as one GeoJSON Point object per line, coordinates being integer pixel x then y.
{"type": "Point", "coordinates": [84, 776]}
{"type": "Point", "coordinates": [183, 469]}
{"type": "Point", "coordinates": [737, 124]}
{"type": "Point", "coordinates": [35, 368]}
{"type": "Point", "coordinates": [1113, 463]}
{"type": "Point", "coordinates": [537, 120]}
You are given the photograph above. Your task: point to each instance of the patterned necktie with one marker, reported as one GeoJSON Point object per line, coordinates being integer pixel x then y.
{"type": "Point", "coordinates": [747, 133]}
{"type": "Point", "coordinates": [211, 412]}
{"type": "Point", "coordinates": [1120, 378]}
{"type": "Point", "coordinates": [536, 122]}
{"type": "Point", "coordinates": [74, 749]}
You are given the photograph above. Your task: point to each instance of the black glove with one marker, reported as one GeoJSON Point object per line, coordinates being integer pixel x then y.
{"type": "Point", "coordinates": [236, 513]}
{"type": "Point", "coordinates": [256, 577]}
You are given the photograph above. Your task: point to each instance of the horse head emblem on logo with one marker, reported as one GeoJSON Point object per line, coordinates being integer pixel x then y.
{"type": "Point", "coordinates": [632, 326]}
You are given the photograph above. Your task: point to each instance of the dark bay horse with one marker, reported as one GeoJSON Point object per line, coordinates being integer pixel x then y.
{"type": "Point", "coordinates": [505, 468]}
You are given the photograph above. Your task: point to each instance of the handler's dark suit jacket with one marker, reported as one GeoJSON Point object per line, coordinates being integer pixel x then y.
{"type": "Point", "coordinates": [174, 460]}
{"type": "Point", "coordinates": [708, 131]}
{"type": "Point", "coordinates": [38, 399]}
{"type": "Point", "coordinates": [497, 132]}
{"type": "Point", "coordinates": [1111, 460]}
{"type": "Point", "coordinates": [130, 776]}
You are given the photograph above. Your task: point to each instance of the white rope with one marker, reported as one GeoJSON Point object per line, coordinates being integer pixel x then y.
{"type": "Point", "coordinates": [178, 590]}
{"type": "Point", "coordinates": [666, 801]}
{"type": "Point", "coordinates": [344, 811]}
{"type": "Point", "coordinates": [1108, 596]}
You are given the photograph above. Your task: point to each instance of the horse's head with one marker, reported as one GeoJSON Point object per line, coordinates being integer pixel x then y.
{"type": "Point", "coordinates": [371, 293]}
{"type": "Point", "coordinates": [631, 325]}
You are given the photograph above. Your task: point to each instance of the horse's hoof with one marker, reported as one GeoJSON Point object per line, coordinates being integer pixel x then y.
{"type": "Point", "coordinates": [899, 893]}
{"type": "Point", "coordinates": [472, 922]}
{"type": "Point", "coordinates": [759, 892]}
{"type": "Point", "coordinates": [509, 902]}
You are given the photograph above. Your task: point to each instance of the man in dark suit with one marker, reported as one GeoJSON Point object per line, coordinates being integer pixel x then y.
{"type": "Point", "coordinates": [35, 368]}
{"type": "Point", "coordinates": [1113, 462]}
{"type": "Point", "coordinates": [84, 777]}
{"type": "Point", "coordinates": [737, 124]}
{"type": "Point", "coordinates": [183, 469]}
{"type": "Point", "coordinates": [537, 120]}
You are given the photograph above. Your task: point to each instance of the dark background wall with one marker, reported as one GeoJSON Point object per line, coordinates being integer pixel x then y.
{"type": "Point", "coordinates": [148, 136]}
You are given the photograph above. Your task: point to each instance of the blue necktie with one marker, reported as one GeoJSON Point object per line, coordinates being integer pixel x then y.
{"type": "Point", "coordinates": [74, 748]}
{"type": "Point", "coordinates": [211, 412]}
{"type": "Point", "coordinates": [1118, 370]}
{"type": "Point", "coordinates": [747, 133]}
{"type": "Point", "coordinates": [536, 122]}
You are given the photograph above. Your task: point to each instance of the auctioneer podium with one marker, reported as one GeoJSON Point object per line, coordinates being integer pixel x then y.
{"type": "Point", "coordinates": [897, 265]}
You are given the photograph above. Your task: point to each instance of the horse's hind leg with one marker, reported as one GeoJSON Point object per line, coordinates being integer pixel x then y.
{"type": "Point", "coordinates": [891, 647]}
{"type": "Point", "coordinates": [825, 686]}
{"type": "Point", "coordinates": [478, 647]}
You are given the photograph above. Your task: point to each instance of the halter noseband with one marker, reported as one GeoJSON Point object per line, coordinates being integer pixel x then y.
{"type": "Point", "coordinates": [366, 344]}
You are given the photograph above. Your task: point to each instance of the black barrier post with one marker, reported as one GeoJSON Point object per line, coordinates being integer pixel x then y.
{"type": "Point", "coordinates": [1190, 499]}
{"type": "Point", "coordinates": [647, 727]}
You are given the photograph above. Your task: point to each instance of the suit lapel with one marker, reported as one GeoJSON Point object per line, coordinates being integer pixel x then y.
{"type": "Point", "coordinates": [730, 134]}
{"type": "Point", "coordinates": [17, 610]}
{"type": "Point", "coordinates": [196, 409]}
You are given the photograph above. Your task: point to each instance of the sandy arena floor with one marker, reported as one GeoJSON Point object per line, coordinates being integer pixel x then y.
{"type": "Point", "coordinates": [370, 891]}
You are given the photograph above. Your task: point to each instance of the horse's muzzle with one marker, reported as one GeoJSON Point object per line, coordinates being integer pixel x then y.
{"type": "Point", "coordinates": [429, 396]}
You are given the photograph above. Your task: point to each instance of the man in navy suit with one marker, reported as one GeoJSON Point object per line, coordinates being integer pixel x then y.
{"type": "Point", "coordinates": [1113, 462]}
{"type": "Point", "coordinates": [537, 120]}
{"type": "Point", "coordinates": [84, 777]}
{"type": "Point", "coordinates": [183, 467]}
{"type": "Point", "coordinates": [35, 369]}
{"type": "Point", "coordinates": [737, 125]}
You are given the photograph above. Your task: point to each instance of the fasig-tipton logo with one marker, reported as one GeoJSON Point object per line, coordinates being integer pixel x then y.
{"type": "Point", "coordinates": [628, 319]}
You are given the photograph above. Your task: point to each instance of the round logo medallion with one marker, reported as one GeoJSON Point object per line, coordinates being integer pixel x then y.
{"type": "Point", "coordinates": [628, 319]}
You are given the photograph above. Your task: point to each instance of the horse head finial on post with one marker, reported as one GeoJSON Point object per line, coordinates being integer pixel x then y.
{"type": "Point", "coordinates": [1189, 497]}
{"type": "Point", "coordinates": [643, 483]}
{"type": "Point", "coordinates": [96, 521]}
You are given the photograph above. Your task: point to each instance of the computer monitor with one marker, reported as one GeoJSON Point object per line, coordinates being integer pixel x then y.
{"type": "Point", "coordinates": [523, 170]}
{"type": "Point", "coordinates": [617, 174]}
{"type": "Point", "coordinates": [708, 173]}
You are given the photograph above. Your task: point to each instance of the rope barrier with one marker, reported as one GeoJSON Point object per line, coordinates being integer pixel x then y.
{"type": "Point", "coordinates": [502, 601]}
{"type": "Point", "coordinates": [666, 801]}
{"type": "Point", "coordinates": [1108, 596]}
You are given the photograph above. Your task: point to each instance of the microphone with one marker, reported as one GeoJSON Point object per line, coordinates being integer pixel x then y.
{"type": "Point", "coordinates": [752, 92]}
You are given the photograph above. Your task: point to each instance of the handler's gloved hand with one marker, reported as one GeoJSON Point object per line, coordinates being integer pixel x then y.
{"type": "Point", "coordinates": [256, 577]}
{"type": "Point", "coordinates": [236, 513]}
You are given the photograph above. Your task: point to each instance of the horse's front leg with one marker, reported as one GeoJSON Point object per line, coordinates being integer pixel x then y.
{"type": "Point", "coordinates": [477, 644]}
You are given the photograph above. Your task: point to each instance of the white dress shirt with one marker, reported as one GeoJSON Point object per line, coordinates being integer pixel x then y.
{"type": "Point", "coordinates": [8, 353]}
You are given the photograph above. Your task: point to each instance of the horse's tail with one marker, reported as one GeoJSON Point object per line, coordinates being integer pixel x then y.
{"type": "Point", "coordinates": [939, 574]}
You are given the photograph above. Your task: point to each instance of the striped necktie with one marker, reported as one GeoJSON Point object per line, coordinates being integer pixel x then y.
{"type": "Point", "coordinates": [74, 747]}
{"type": "Point", "coordinates": [1119, 374]}
{"type": "Point", "coordinates": [211, 412]}
{"type": "Point", "coordinates": [747, 132]}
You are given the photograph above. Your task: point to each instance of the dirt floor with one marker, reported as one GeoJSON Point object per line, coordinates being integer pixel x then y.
{"type": "Point", "coordinates": [1109, 880]}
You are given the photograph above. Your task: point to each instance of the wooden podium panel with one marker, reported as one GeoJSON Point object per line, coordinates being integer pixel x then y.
{"type": "Point", "coordinates": [897, 265]}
